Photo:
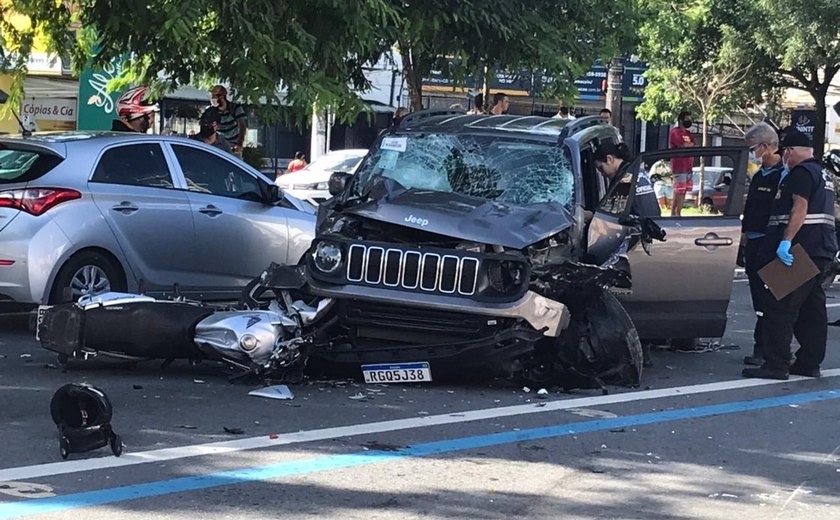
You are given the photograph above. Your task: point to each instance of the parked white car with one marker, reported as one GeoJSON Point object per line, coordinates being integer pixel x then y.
{"type": "Point", "coordinates": [310, 183]}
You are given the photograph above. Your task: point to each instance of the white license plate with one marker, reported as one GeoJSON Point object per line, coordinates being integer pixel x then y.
{"type": "Point", "coordinates": [398, 373]}
{"type": "Point", "coordinates": [42, 310]}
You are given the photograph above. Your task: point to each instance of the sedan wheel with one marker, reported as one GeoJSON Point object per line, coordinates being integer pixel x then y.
{"type": "Point", "coordinates": [87, 273]}
{"type": "Point", "coordinates": [89, 280]}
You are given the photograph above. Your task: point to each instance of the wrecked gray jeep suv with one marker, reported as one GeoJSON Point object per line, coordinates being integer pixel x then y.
{"type": "Point", "coordinates": [458, 248]}
{"type": "Point", "coordinates": [462, 244]}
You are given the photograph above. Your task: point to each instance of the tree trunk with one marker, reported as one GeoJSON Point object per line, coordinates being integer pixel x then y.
{"type": "Point", "coordinates": [819, 129]}
{"type": "Point", "coordinates": [704, 140]}
{"type": "Point", "coordinates": [413, 77]}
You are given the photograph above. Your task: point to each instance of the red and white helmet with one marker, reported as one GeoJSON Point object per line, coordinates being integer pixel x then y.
{"type": "Point", "coordinates": [133, 103]}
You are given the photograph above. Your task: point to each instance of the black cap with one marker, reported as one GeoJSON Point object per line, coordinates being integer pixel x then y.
{"type": "Point", "coordinates": [793, 137]}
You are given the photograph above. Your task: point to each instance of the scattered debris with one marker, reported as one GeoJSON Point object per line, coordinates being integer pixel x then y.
{"type": "Point", "coordinates": [722, 495]}
{"type": "Point", "coordinates": [273, 392]}
{"type": "Point", "coordinates": [594, 414]}
{"type": "Point", "coordinates": [50, 366]}
{"type": "Point", "coordinates": [188, 427]}
{"type": "Point", "coordinates": [233, 431]}
{"type": "Point", "coordinates": [422, 413]}
{"type": "Point", "coordinates": [380, 446]}
{"type": "Point", "coordinates": [26, 355]}
{"type": "Point", "coordinates": [526, 389]}
{"type": "Point", "coordinates": [198, 381]}
{"type": "Point", "coordinates": [273, 436]}
{"type": "Point", "coordinates": [618, 430]}
{"type": "Point", "coordinates": [137, 387]}
{"type": "Point", "coordinates": [357, 397]}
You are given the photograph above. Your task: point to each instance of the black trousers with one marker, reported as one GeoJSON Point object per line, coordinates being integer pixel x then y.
{"type": "Point", "coordinates": [802, 313]}
{"type": "Point", "coordinates": [751, 267]}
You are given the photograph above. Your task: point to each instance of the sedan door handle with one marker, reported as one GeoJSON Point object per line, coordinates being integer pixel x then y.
{"type": "Point", "coordinates": [713, 240]}
{"type": "Point", "coordinates": [125, 207]}
{"type": "Point", "coordinates": [210, 210]}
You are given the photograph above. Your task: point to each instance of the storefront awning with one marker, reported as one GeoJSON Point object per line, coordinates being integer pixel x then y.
{"type": "Point", "coordinates": [50, 87]}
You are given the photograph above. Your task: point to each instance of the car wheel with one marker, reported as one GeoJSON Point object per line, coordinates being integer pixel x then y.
{"type": "Point", "coordinates": [87, 273]}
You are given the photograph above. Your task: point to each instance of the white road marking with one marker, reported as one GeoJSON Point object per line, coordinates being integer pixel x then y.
{"type": "Point", "coordinates": [265, 441]}
{"type": "Point", "coordinates": [830, 305]}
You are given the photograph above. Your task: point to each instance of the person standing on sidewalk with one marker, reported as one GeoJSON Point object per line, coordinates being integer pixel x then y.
{"type": "Point", "coordinates": [802, 213]}
{"type": "Point", "coordinates": [764, 143]}
{"type": "Point", "coordinates": [234, 121]}
{"type": "Point", "coordinates": [682, 168]}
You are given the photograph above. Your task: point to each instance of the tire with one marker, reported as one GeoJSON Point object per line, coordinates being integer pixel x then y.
{"type": "Point", "coordinates": [85, 273]}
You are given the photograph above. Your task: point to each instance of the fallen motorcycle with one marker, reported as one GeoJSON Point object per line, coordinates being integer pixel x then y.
{"type": "Point", "coordinates": [261, 342]}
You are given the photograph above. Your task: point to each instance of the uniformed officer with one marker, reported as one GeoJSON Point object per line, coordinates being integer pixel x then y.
{"type": "Point", "coordinates": [763, 142]}
{"type": "Point", "coordinates": [608, 159]}
{"type": "Point", "coordinates": [802, 213]}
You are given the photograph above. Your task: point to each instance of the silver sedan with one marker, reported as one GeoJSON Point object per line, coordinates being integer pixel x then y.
{"type": "Point", "coordinates": [84, 213]}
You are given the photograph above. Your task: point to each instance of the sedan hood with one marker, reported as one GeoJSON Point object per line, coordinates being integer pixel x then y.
{"type": "Point", "coordinates": [462, 217]}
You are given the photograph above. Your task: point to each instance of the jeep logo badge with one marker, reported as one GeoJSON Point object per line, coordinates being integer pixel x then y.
{"type": "Point", "coordinates": [411, 219]}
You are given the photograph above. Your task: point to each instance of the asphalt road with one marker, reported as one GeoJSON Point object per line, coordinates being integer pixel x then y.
{"type": "Point", "coordinates": [695, 441]}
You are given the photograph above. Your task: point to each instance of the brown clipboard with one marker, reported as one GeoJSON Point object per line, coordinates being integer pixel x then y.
{"type": "Point", "coordinates": [782, 280]}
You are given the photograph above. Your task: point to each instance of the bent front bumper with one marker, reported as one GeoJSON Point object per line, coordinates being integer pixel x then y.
{"type": "Point", "coordinates": [543, 314]}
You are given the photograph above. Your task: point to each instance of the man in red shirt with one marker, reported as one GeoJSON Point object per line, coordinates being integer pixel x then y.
{"type": "Point", "coordinates": [681, 167]}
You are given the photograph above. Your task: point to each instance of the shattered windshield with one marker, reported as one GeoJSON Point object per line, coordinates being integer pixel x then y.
{"type": "Point", "coordinates": [499, 168]}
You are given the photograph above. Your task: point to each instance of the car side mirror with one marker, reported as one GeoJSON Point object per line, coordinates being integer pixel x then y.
{"type": "Point", "coordinates": [338, 182]}
{"type": "Point", "coordinates": [273, 194]}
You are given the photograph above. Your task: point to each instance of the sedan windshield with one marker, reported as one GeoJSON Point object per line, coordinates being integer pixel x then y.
{"type": "Point", "coordinates": [502, 169]}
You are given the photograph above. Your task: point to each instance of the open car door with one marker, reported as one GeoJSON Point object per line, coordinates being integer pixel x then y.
{"type": "Point", "coordinates": [682, 290]}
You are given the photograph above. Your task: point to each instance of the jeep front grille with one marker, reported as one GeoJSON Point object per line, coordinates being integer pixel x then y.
{"type": "Point", "coordinates": [415, 270]}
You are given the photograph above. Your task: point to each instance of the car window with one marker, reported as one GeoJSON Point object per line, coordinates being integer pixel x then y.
{"type": "Point", "coordinates": [680, 195]}
{"type": "Point", "coordinates": [504, 169]}
{"type": "Point", "coordinates": [208, 173]}
{"type": "Point", "coordinates": [134, 165]}
{"type": "Point", "coordinates": [24, 165]}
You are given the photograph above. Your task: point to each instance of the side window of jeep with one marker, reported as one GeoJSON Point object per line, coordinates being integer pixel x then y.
{"type": "Point", "coordinates": [594, 184]}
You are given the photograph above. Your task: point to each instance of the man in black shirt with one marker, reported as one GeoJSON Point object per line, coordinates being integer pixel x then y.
{"type": "Point", "coordinates": [764, 143]}
{"type": "Point", "coordinates": [803, 214]}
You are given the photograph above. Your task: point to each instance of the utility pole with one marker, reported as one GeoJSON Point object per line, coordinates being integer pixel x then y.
{"type": "Point", "coordinates": [615, 78]}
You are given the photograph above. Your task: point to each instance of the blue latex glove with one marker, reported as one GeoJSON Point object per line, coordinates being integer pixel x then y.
{"type": "Point", "coordinates": [783, 252]}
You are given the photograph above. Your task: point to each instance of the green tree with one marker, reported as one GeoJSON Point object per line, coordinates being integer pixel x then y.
{"type": "Point", "coordinates": [695, 61]}
{"type": "Point", "coordinates": [463, 37]}
{"type": "Point", "coordinates": [314, 50]}
{"type": "Point", "coordinates": [795, 44]}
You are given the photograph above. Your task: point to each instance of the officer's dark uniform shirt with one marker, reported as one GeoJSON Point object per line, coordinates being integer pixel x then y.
{"type": "Point", "coordinates": [645, 203]}
{"type": "Point", "coordinates": [763, 188]}
{"type": "Point", "coordinates": [817, 235]}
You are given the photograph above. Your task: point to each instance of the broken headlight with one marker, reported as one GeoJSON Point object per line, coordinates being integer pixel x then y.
{"type": "Point", "coordinates": [505, 279]}
{"type": "Point", "coordinates": [327, 256]}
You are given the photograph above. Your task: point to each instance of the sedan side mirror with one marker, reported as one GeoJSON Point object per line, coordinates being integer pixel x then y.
{"type": "Point", "coordinates": [273, 194]}
{"type": "Point", "coordinates": [338, 182]}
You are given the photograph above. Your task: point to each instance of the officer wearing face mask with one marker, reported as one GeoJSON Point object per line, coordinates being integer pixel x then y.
{"type": "Point", "coordinates": [802, 213]}
{"type": "Point", "coordinates": [763, 143]}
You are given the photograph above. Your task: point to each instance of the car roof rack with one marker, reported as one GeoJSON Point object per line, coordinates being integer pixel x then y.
{"type": "Point", "coordinates": [579, 124]}
{"type": "Point", "coordinates": [425, 114]}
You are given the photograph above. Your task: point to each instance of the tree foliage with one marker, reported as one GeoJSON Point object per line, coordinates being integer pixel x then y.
{"type": "Point", "coordinates": [313, 50]}
{"type": "Point", "coordinates": [795, 44]}
{"type": "Point", "coordinates": [695, 60]}
{"type": "Point", "coordinates": [461, 37]}
{"type": "Point", "coordinates": [773, 43]}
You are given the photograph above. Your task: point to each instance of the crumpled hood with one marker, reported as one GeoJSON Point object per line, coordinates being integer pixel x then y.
{"type": "Point", "coordinates": [462, 217]}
